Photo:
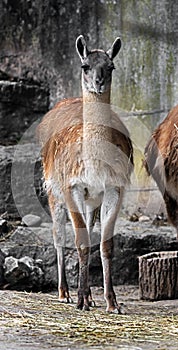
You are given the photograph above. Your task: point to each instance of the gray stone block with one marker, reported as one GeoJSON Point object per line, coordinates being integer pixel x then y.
{"type": "Point", "coordinates": [21, 103]}
{"type": "Point", "coordinates": [21, 178]}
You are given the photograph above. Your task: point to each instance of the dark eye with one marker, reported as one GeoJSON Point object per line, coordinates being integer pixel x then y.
{"type": "Point", "coordinates": [86, 68]}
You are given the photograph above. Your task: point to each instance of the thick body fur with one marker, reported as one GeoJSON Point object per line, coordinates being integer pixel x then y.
{"type": "Point", "coordinates": [87, 159]}
{"type": "Point", "coordinates": [161, 160]}
{"type": "Point", "coordinates": [63, 155]}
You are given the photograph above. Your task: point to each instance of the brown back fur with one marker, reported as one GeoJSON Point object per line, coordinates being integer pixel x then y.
{"type": "Point", "coordinates": [61, 136]}
{"type": "Point", "coordinates": [161, 161]}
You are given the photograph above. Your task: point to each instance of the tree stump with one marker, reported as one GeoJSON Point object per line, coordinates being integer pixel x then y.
{"type": "Point", "coordinates": [158, 276]}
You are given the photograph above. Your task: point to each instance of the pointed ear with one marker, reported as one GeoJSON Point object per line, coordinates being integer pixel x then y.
{"type": "Point", "coordinates": [115, 48]}
{"type": "Point", "coordinates": [81, 47]}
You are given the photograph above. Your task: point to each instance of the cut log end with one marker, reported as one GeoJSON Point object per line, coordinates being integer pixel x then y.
{"type": "Point", "coordinates": [158, 276]}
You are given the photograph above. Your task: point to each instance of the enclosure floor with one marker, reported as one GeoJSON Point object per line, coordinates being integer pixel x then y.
{"type": "Point", "coordinates": [30, 321]}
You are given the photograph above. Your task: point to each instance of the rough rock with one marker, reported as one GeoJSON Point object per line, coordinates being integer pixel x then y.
{"type": "Point", "coordinates": [21, 103]}
{"type": "Point", "coordinates": [143, 218]}
{"type": "Point", "coordinates": [2, 258]}
{"type": "Point", "coordinates": [26, 242]}
{"type": "Point", "coordinates": [3, 226]}
{"type": "Point", "coordinates": [31, 220]}
{"type": "Point", "coordinates": [38, 41]}
{"type": "Point", "coordinates": [24, 273]}
{"type": "Point", "coordinates": [21, 180]}
{"type": "Point", "coordinates": [131, 240]}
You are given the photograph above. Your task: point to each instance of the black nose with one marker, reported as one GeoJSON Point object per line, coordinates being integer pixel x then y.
{"type": "Point", "coordinates": [99, 78]}
{"type": "Point", "coordinates": [99, 81]}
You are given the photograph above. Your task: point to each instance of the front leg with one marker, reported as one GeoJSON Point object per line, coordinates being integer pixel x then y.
{"type": "Point", "coordinates": [76, 206]}
{"type": "Point", "coordinates": [110, 207]}
{"type": "Point", "coordinates": [83, 247]}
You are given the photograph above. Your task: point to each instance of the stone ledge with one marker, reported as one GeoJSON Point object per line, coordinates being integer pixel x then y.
{"type": "Point", "coordinates": [131, 240]}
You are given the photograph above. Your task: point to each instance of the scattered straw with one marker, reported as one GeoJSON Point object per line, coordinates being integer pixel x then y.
{"type": "Point", "coordinates": [41, 316]}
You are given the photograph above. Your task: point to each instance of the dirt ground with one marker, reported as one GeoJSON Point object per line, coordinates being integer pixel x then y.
{"type": "Point", "coordinates": [30, 321]}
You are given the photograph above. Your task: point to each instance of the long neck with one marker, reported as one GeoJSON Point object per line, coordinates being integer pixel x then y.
{"type": "Point", "coordinates": [96, 112]}
{"type": "Point", "coordinates": [97, 132]}
{"type": "Point", "coordinates": [92, 97]}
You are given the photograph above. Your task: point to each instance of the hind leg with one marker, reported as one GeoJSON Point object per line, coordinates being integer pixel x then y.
{"type": "Point", "coordinates": [172, 209]}
{"type": "Point", "coordinates": [58, 213]}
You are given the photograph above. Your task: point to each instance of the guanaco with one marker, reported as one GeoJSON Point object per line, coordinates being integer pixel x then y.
{"type": "Point", "coordinates": [87, 159]}
{"type": "Point", "coordinates": [161, 161]}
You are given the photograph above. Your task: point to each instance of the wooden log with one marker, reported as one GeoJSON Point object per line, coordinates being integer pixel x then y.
{"type": "Point", "coordinates": [158, 276]}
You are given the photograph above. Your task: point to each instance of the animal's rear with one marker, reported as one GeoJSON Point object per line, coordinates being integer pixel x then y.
{"type": "Point", "coordinates": [161, 161]}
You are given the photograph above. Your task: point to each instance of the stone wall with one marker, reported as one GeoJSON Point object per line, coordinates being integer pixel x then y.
{"type": "Point", "coordinates": [130, 241]}
{"type": "Point", "coordinates": [22, 102]}
{"type": "Point", "coordinates": [38, 49]}
{"type": "Point", "coordinates": [21, 190]}
{"type": "Point", "coordinates": [38, 41]}
{"type": "Point", "coordinates": [39, 66]}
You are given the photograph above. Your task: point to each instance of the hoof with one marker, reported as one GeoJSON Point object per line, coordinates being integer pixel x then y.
{"type": "Point", "coordinates": [122, 309]}
{"type": "Point", "coordinates": [119, 310]}
{"type": "Point", "coordinates": [79, 306]}
{"type": "Point", "coordinates": [70, 300]}
{"type": "Point", "coordinates": [92, 303]}
{"type": "Point", "coordinates": [66, 300]}
{"type": "Point", "coordinates": [83, 307]}
{"type": "Point", "coordinates": [86, 308]}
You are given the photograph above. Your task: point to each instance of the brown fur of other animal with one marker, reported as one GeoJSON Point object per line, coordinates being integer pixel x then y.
{"type": "Point", "coordinates": [161, 161]}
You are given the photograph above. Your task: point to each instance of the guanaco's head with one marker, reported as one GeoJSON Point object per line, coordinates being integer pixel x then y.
{"type": "Point", "coordinates": [97, 66]}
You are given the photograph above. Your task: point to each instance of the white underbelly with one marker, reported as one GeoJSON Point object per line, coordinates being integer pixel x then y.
{"type": "Point", "coordinates": [98, 176]}
{"type": "Point", "coordinates": [95, 177]}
